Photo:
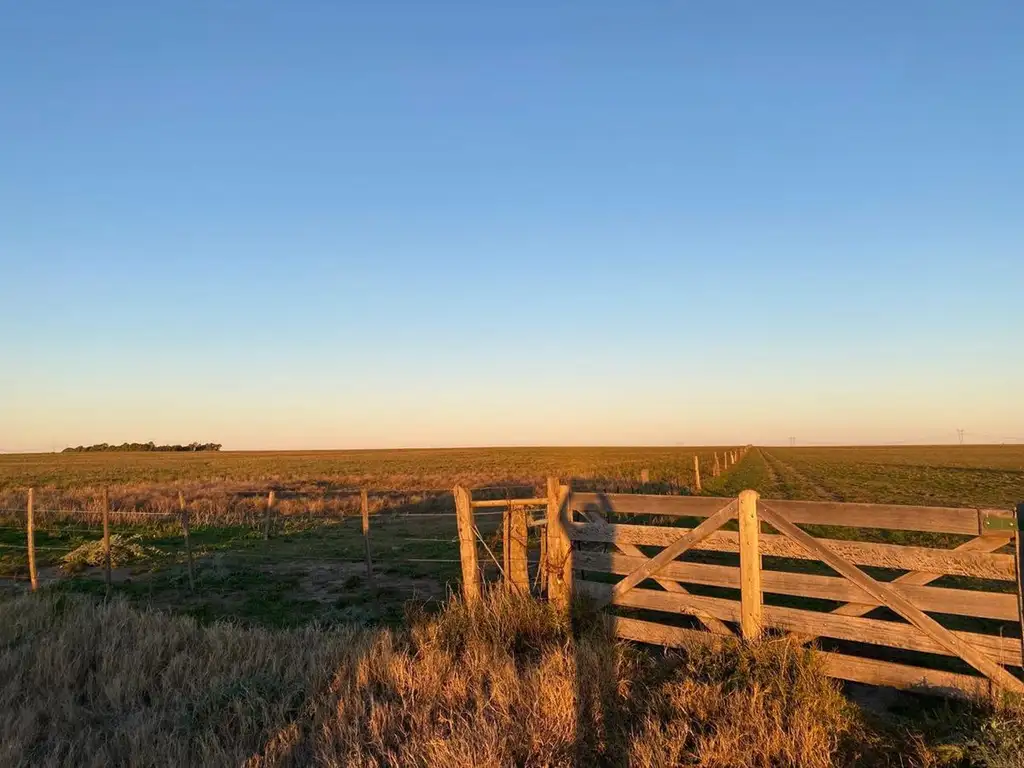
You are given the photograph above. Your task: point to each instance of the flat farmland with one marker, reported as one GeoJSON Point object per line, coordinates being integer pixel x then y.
{"type": "Point", "coordinates": [957, 475]}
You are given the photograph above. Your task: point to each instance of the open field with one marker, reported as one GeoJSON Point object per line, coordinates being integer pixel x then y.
{"type": "Point", "coordinates": [319, 636]}
{"type": "Point", "coordinates": [311, 569]}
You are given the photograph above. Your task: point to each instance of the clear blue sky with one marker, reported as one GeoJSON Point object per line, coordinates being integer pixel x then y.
{"type": "Point", "coordinates": [326, 224]}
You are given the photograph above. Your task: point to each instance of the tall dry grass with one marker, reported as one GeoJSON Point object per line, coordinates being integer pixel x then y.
{"type": "Point", "coordinates": [507, 684]}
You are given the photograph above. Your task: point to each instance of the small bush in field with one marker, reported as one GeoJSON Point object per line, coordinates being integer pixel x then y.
{"type": "Point", "coordinates": [124, 550]}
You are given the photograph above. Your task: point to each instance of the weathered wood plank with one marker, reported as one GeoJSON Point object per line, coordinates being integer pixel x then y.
{"type": "Point", "coordinates": [673, 550]}
{"type": "Point", "coordinates": [940, 561]}
{"type": "Point", "coordinates": [641, 631]}
{"type": "Point", "coordinates": [962, 602]}
{"type": "Point", "coordinates": [890, 516]}
{"type": "Point", "coordinates": [841, 666]}
{"type": "Point", "coordinates": [486, 503]}
{"type": "Point", "coordinates": [1005, 650]}
{"type": "Point", "coordinates": [968, 522]}
{"type": "Point", "coordinates": [967, 651]}
{"type": "Point", "coordinates": [649, 504]}
{"type": "Point", "coordinates": [904, 676]}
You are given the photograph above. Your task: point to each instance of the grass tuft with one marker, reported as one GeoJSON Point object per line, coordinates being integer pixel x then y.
{"type": "Point", "coordinates": [124, 550]}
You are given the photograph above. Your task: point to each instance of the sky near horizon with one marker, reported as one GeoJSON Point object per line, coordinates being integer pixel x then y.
{"type": "Point", "coordinates": [330, 225]}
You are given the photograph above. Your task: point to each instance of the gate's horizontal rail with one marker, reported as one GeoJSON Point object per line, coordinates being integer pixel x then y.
{"type": "Point", "coordinates": [844, 667]}
{"type": "Point", "coordinates": [968, 522]}
{"type": "Point", "coordinates": [978, 564]}
{"type": "Point", "coordinates": [1003, 650]}
{"type": "Point", "coordinates": [963, 602]}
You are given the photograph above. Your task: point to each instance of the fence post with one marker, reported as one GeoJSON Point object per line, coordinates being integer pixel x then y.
{"type": "Point", "coordinates": [645, 475]}
{"type": "Point", "coordinates": [559, 563]}
{"type": "Point", "coordinates": [717, 468]}
{"type": "Point", "coordinates": [696, 473]}
{"type": "Point", "coordinates": [750, 567]}
{"type": "Point", "coordinates": [266, 518]}
{"type": "Point", "coordinates": [1018, 562]}
{"type": "Point", "coordinates": [518, 568]}
{"type": "Point", "coordinates": [106, 538]}
{"type": "Point", "coordinates": [188, 541]}
{"type": "Point", "coordinates": [471, 581]}
{"type": "Point", "coordinates": [30, 525]}
{"type": "Point", "coordinates": [506, 551]}
{"type": "Point", "coordinates": [364, 508]}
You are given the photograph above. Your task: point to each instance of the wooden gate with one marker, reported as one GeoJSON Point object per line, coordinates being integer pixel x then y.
{"type": "Point", "coordinates": [924, 598]}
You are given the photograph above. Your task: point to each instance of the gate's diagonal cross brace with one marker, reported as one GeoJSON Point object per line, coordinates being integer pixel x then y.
{"type": "Point", "coordinates": [713, 624]}
{"type": "Point", "coordinates": [917, 578]}
{"type": "Point", "coordinates": [671, 552]}
{"type": "Point", "coordinates": [889, 597]}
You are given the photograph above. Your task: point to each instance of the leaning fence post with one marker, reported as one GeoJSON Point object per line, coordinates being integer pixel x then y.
{"type": "Point", "coordinates": [696, 473]}
{"type": "Point", "coordinates": [30, 526]}
{"type": "Point", "coordinates": [471, 581]}
{"type": "Point", "coordinates": [266, 517]}
{"type": "Point", "coordinates": [364, 508]}
{"type": "Point", "coordinates": [1018, 562]}
{"type": "Point", "coordinates": [559, 552]}
{"type": "Point", "coordinates": [750, 566]}
{"type": "Point", "coordinates": [106, 538]}
{"type": "Point", "coordinates": [188, 541]}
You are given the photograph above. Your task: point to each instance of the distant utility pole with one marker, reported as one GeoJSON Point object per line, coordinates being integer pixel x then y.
{"type": "Point", "coordinates": [960, 436]}
{"type": "Point", "coordinates": [792, 442]}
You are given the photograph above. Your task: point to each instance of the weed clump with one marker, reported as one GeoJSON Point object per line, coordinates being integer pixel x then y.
{"type": "Point", "coordinates": [124, 550]}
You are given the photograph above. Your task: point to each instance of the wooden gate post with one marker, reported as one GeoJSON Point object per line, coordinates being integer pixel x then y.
{"type": "Point", "coordinates": [696, 473]}
{"type": "Point", "coordinates": [559, 564]}
{"type": "Point", "coordinates": [750, 567]}
{"type": "Point", "coordinates": [471, 581]}
{"type": "Point", "coordinates": [1018, 562]}
{"type": "Point", "coordinates": [519, 571]}
{"type": "Point", "coordinates": [30, 529]}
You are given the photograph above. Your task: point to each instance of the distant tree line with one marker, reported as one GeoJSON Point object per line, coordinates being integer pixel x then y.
{"type": "Point", "coordinates": [143, 447]}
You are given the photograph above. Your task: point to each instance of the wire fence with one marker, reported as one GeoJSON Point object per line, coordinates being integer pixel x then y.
{"type": "Point", "coordinates": [420, 532]}
{"type": "Point", "coordinates": [63, 544]}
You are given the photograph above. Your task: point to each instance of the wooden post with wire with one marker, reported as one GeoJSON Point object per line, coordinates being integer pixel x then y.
{"type": "Point", "coordinates": [559, 549]}
{"type": "Point", "coordinates": [106, 538]}
{"type": "Point", "coordinates": [696, 473]}
{"type": "Point", "coordinates": [364, 508]}
{"type": "Point", "coordinates": [750, 566]}
{"type": "Point", "coordinates": [267, 517]}
{"type": "Point", "coordinates": [30, 527]}
{"type": "Point", "coordinates": [188, 541]}
{"type": "Point", "coordinates": [518, 569]}
{"type": "Point", "coordinates": [472, 588]}
{"type": "Point", "coordinates": [506, 550]}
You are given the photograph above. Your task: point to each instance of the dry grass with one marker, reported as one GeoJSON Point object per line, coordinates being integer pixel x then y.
{"type": "Point", "coordinates": [508, 684]}
{"type": "Point", "coordinates": [233, 487]}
